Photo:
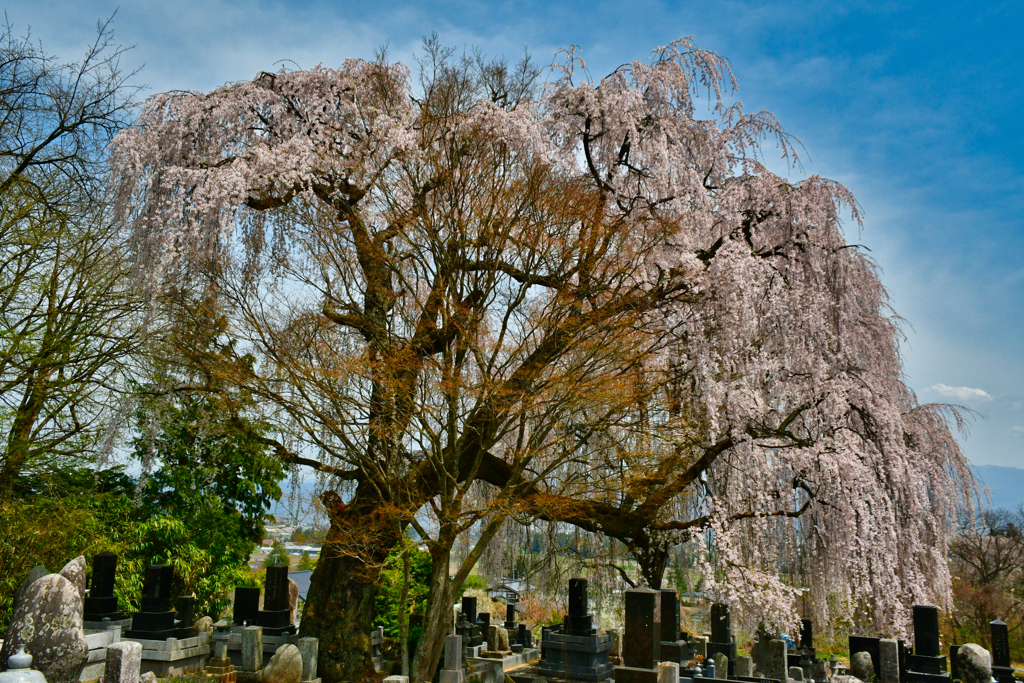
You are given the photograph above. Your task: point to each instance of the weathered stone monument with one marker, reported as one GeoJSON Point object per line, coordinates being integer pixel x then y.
{"type": "Point", "coordinates": [123, 662]}
{"type": "Point", "coordinates": [888, 661]}
{"type": "Point", "coordinates": [155, 620]}
{"type": "Point", "coordinates": [576, 651]}
{"type": "Point", "coordinates": [48, 623]}
{"type": "Point", "coordinates": [641, 640]}
{"type": "Point", "coordinates": [865, 644]}
{"type": "Point", "coordinates": [974, 664]}
{"type": "Point", "coordinates": [861, 666]}
{"type": "Point", "coordinates": [451, 671]}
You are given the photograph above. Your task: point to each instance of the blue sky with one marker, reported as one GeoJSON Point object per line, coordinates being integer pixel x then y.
{"type": "Point", "coordinates": [916, 106]}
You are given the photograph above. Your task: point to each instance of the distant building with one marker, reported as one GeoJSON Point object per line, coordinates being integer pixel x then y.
{"type": "Point", "coordinates": [509, 590]}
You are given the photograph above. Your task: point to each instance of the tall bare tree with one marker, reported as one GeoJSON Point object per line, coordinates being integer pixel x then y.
{"type": "Point", "coordinates": [70, 311]}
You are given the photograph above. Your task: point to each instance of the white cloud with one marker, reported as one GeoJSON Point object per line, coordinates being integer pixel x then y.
{"type": "Point", "coordinates": [1017, 430]}
{"type": "Point", "coordinates": [965, 394]}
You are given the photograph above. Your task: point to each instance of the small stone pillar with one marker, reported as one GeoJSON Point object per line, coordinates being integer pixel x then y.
{"type": "Point", "coordinates": [776, 665]}
{"type": "Point", "coordinates": [668, 672]}
{"type": "Point", "coordinates": [722, 665]}
{"type": "Point", "coordinates": [796, 674]}
{"type": "Point", "coordinates": [124, 659]}
{"type": "Point", "coordinates": [309, 649]}
{"type": "Point", "coordinates": [744, 666]}
{"type": "Point", "coordinates": [252, 648]}
{"type": "Point", "coordinates": [452, 670]}
{"type": "Point", "coordinates": [888, 661]}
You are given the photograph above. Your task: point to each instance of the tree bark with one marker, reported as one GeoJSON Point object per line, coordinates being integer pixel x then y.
{"type": "Point", "coordinates": [652, 558]}
{"type": "Point", "coordinates": [403, 610]}
{"type": "Point", "coordinates": [340, 604]}
{"type": "Point", "coordinates": [438, 621]}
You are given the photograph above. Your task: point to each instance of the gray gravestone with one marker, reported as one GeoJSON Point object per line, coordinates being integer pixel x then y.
{"type": "Point", "coordinates": [888, 661]}
{"type": "Point", "coordinates": [309, 648]}
{"type": "Point", "coordinates": [721, 665]}
{"type": "Point", "coordinates": [775, 665]}
{"type": "Point", "coordinates": [252, 648]}
{"type": "Point", "coordinates": [668, 672]}
{"type": "Point", "coordinates": [796, 674]}
{"type": "Point", "coordinates": [124, 659]}
{"type": "Point", "coordinates": [453, 653]}
{"type": "Point", "coordinates": [744, 666]}
{"type": "Point", "coordinates": [451, 672]}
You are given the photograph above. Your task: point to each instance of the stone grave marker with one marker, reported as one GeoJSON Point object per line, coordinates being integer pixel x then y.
{"type": "Point", "coordinates": [974, 664]}
{"type": "Point", "coordinates": [155, 620]}
{"type": "Point", "coordinates": [1001, 666]}
{"type": "Point", "coordinates": [48, 623]}
{"type": "Point", "coordinates": [275, 617]}
{"type": "Point", "coordinates": [721, 637]}
{"type": "Point", "coordinates": [247, 606]}
{"type": "Point", "coordinates": [672, 647]}
{"type": "Point", "coordinates": [101, 603]}
{"type": "Point", "coordinates": [888, 661]}
{"type": "Point", "coordinates": [927, 664]}
{"type": "Point", "coordinates": [123, 662]}
{"type": "Point", "coordinates": [452, 672]}
{"type": "Point", "coordinates": [641, 640]}
{"type": "Point", "coordinates": [576, 650]}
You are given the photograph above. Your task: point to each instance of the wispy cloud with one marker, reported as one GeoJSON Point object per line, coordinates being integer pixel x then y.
{"type": "Point", "coordinates": [1017, 430]}
{"type": "Point", "coordinates": [965, 394]}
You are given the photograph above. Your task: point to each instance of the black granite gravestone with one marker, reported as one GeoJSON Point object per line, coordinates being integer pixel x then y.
{"type": "Point", "coordinates": [927, 664]}
{"type": "Point", "coordinates": [183, 617]}
{"type": "Point", "coordinates": [575, 651]}
{"type": "Point", "coordinates": [673, 648]}
{"type": "Point", "coordinates": [954, 667]}
{"type": "Point", "coordinates": [512, 627]}
{"type": "Point", "coordinates": [247, 606]}
{"type": "Point", "coordinates": [805, 655]}
{"type": "Point", "coordinates": [578, 622]}
{"type": "Point", "coordinates": [641, 640]}
{"type": "Point", "coordinates": [525, 636]}
{"type": "Point", "coordinates": [155, 620]}
{"type": "Point", "coordinates": [1002, 669]}
{"type": "Point", "coordinates": [721, 638]}
{"type": "Point", "coordinates": [275, 617]}
{"type": "Point", "coordinates": [101, 603]}
{"type": "Point", "coordinates": [471, 634]}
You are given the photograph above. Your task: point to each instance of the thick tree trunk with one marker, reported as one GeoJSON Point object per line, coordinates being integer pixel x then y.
{"type": "Point", "coordinates": [652, 559]}
{"type": "Point", "coordinates": [339, 611]}
{"type": "Point", "coordinates": [437, 623]}
{"type": "Point", "coordinates": [19, 439]}
{"type": "Point", "coordinates": [340, 604]}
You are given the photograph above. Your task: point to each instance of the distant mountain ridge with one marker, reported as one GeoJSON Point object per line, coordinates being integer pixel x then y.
{"type": "Point", "coordinates": [1005, 485]}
